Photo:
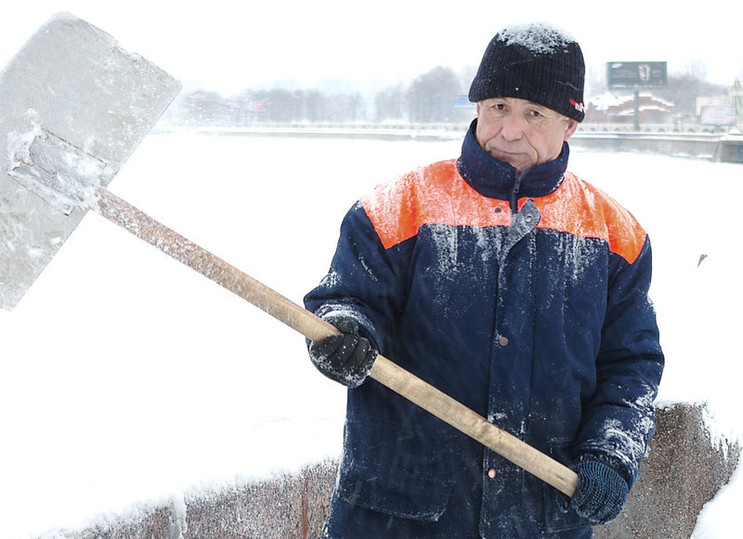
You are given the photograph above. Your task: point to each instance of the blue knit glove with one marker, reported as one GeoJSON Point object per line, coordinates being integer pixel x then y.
{"type": "Point", "coordinates": [346, 357]}
{"type": "Point", "coordinates": [601, 492]}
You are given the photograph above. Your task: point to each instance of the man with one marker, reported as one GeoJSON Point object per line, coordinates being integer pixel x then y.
{"type": "Point", "coordinates": [516, 288]}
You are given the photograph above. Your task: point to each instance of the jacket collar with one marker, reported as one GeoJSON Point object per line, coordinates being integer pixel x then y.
{"type": "Point", "coordinates": [494, 178]}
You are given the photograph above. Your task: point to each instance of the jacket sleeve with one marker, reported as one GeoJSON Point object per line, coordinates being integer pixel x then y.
{"type": "Point", "coordinates": [361, 282]}
{"type": "Point", "coordinates": [619, 419]}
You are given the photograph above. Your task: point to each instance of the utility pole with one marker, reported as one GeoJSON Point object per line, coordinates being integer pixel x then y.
{"type": "Point", "coordinates": [637, 109]}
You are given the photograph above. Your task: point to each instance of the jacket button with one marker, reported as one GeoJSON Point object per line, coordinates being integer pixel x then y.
{"type": "Point", "coordinates": [498, 209]}
{"type": "Point", "coordinates": [503, 341]}
{"type": "Point", "coordinates": [491, 473]}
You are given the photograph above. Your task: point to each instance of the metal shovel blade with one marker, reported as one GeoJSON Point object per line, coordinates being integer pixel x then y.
{"type": "Point", "coordinates": [70, 81]}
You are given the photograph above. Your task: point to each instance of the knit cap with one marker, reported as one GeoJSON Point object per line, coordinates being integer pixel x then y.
{"type": "Point", "coordinates": [536, 62]}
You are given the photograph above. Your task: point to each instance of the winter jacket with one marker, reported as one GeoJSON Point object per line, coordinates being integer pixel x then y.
{"type": "Point", "coordinates": [522, 295]}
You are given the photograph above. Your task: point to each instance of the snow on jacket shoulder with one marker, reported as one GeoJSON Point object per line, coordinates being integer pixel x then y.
{"type": "Point", "coordinates": [523, 297]}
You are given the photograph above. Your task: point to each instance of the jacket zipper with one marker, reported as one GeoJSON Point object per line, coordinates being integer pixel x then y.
{"type": "Point", "coordinates": [515, 193]}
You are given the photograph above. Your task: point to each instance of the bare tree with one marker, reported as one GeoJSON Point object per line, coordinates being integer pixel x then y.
{"type": "Point", "coordinates": [432, 96]}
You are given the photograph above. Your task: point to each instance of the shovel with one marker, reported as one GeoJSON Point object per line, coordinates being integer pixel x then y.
{"type": "Point", "coordinates": [74, 106]}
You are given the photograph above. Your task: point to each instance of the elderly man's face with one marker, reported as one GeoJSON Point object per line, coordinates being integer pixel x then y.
{"type": "Point", "coordinates": [521, 132]}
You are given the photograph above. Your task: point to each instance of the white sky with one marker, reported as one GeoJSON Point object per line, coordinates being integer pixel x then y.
{"type": "Point", "coordinates": [227, 46]}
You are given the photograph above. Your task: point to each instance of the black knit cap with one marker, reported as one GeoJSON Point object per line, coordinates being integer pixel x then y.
{"type": "Point", "coordinates": [536, 62]}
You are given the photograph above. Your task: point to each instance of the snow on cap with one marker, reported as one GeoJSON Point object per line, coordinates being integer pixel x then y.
{"type": "Point", "coordinates": [537, 62]}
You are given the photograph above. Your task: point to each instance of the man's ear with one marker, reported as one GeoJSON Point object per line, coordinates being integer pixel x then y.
{"type": "Point", "coordinates": [572, 127]}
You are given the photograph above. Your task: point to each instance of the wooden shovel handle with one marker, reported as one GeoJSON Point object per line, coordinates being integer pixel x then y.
{"type": "Point", "coordinates": [314, 328]}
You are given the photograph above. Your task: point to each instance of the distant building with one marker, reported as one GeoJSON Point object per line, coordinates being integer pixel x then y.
{"type": "Point", "coordinates": [735, 96]}
{"type": "Point", "coordinates": [620, 109]}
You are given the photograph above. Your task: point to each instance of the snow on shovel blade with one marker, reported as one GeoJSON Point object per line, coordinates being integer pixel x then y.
{"type": "Point", "coordinates": [75, 99]}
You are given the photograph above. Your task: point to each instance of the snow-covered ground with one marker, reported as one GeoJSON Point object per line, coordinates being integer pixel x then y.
{"type": "Point", "coordinates": [127, 379]}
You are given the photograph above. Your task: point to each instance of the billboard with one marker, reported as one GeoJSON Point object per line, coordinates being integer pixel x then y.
{"type": "Point", "coordinates": [716, 115]}
{"type": "Point", "coordinates": [636, 74]}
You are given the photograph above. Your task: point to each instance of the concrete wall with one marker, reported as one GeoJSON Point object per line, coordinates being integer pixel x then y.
{"type": "Point", "coordinates": [716, 147]}
{"type": "Point", "coordinates": [726, 147]}
{"type": "Point", "coordinates": [684, 469]}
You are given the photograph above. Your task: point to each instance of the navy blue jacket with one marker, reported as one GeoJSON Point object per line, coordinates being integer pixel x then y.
{"type": "Point", "coordinates": [523, 296]}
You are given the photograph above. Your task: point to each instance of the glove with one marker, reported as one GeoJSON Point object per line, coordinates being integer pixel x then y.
{"type": "Point", "coordinates": [347, 357]}
{"type": "Point", "coordinates": [601, 492]}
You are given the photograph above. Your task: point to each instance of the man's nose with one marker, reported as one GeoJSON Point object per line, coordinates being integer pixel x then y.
{"type": "Point", "coordinates": [512, 127]}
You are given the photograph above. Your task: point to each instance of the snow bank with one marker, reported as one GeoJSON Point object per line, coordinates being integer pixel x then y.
{"type": "Point", "coordinates": [128, 379]}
